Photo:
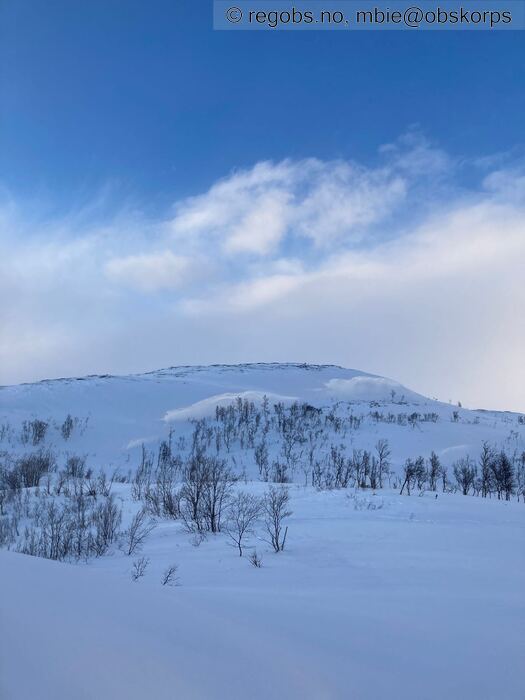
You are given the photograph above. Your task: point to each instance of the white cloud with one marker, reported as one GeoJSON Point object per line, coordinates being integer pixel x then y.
{"type": "Point", "coordinates": [321, 261]}
{"type": "Point", "coordinates": [151, 272]}
{"type": "Point", "coordinates": [254, 210]}
{"type": "Point", "coordinates": [415, 156]}
{"type": "Point", "coordinates": [469, 238]}
{"type": "Point", "coordinates": [345, 201]}
{"type": "Point", "coordinates": [262, 227]}
{"type": "Point", "coordinates": [245, 296]}
{"type": "Point", "coordinates": [507, 184]}
{"type": "Point", "coordinates": [439, 309]}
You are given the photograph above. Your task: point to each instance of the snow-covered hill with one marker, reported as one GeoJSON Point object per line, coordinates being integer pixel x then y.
{"type": "Point", "coordinates": [376, 594]}
{"type": "Point", "coordinates": [115, 415]}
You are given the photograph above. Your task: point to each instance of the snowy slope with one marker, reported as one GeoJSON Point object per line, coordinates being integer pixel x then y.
{"type": "Point", "coordinates": [124, 412]}
{"type": "Point", "coordinates": [420, 599]}
{"type": "Point", "coordinates": [376, 595]}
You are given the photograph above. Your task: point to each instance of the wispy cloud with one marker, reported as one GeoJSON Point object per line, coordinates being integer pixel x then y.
{"type": "Point", "coordinates": [257, 210]}
{"type": "Point", "coordinates": [396, 268]}
{"type": "Point", "coordinates": [152, 272]}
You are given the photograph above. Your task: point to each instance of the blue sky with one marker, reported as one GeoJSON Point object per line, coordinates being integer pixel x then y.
{"type": "Point", "coordinates": [212, 196]}
{"type": "Point", "coordinates": [149, 96]}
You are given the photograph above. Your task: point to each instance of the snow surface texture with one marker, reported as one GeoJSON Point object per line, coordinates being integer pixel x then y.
{"type": "Point", "coordinates": [376, 595]}
{"type": "Point", "coordinates": [416, 599]}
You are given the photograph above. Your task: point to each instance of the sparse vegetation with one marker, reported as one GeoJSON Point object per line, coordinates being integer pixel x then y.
{"type": "Point", "coordinates": [54, 506]}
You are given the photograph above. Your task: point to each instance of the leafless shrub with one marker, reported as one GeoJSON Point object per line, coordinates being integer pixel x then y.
{"type": "Point", "coordinates": [142, 478]}
{"type": "Point", "coordinates": [141, 526]}
{"type": "Point", "coordinates": [67, 427]}
{"type": "Point", "coordinates": [139, 568]}
{"type": "Point", "coordinates": [242, 515]}
{"type": "Point", "coordinates": [76, 466]}
{"type": "Point", "coordinates": [414, 472]}
{"type": "Point", "coordinates": [205, 493]}
{"type": "Point", "coordinates": [33, 431]}
{"type": "Point", "coordinates": [276, 510]}
{"type": "Point", "coordinates": [32, 467]}
{"type": "Point", "coordinates": [255, 560]}
{"type": "Point", "coordinates": [262, 460]}
{"type": "Point", "coordinates": [162, 500]}
{"type": "Point", "coordinates": [383, 458]}
{"type": "Point", "coordinates": [8, 530]}
{"type": "Point", "coordinates": [465, 474]}
{"type": "Point", "coordinates": [106, 518]}
{"type": "Point", "coordinates": [169, 577]}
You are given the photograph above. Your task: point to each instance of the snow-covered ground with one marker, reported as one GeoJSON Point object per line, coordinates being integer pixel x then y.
{"type": "Point", "coordinates": [119, 414]}
{"type": "Point", "coordinates": [419, 598]}
{"type": "Point", "coordinates": [376, 595]}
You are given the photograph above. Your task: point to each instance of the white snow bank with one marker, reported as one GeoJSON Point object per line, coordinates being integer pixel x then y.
{"type": "Point", "coordinates": [368, 389]}
{"type": "Point", "coordinates": [206, 407]}
{"type": "Point", "coordinates": [138, 442]}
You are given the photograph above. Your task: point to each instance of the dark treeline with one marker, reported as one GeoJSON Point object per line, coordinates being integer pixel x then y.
{"type": "Point", "coordinates": [493, 474]}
